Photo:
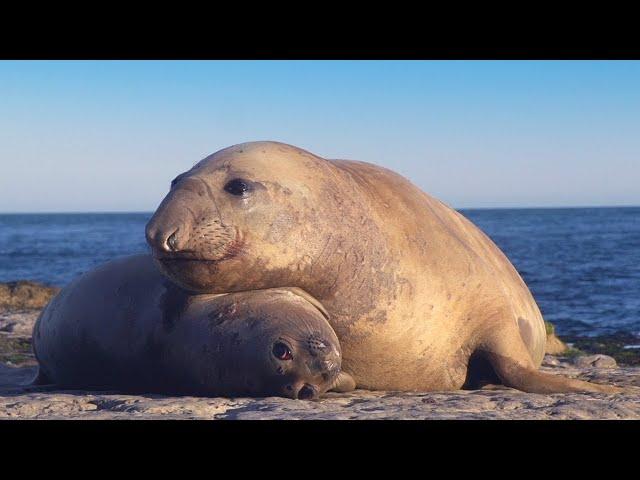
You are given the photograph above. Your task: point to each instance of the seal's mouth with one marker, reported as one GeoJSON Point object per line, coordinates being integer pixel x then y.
{"type": "Point", "coordinates": [231, 250]}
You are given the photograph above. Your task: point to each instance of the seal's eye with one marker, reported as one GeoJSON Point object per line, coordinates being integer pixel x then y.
{"type": "Point", "coordinates": [237, 186]}
{"type": "Point", "coordinates": [281, 351]}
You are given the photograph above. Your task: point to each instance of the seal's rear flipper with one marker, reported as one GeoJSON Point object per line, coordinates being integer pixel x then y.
{"type": "Point", "coordinates": [512, 363]}
{"type": "Point", "coordinates": [514, 374]}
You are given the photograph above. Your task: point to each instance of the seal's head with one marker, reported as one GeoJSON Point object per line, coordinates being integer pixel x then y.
{"type": "Point", "coordinates": [251, 216]}
{"type": "Point", "coordinates": [271, 342]}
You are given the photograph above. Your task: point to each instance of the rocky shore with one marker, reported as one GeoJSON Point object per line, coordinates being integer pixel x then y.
{"type": "Point", "coordinates": [20, 303]}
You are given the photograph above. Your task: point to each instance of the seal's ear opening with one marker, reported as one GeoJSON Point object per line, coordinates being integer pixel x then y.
{"type": "Point", "coordinates": [309, 298]}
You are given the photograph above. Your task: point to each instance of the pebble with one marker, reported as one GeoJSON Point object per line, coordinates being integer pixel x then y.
{"type": "Point", "coordinates": [595, 361]}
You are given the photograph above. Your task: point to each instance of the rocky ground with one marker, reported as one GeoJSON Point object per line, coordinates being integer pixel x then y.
{"type": "Point", "coordinates": [19, 304]}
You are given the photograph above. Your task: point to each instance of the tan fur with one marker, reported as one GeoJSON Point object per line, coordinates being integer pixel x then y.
{"type": "Point", "coordinates": [412, 287]}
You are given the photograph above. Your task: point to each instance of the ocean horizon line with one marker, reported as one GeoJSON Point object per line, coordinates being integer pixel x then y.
{"type": "Point", "coordinates": [149, 212]}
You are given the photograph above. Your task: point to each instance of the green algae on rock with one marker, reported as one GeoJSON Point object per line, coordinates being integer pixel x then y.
{"type": "Point", "coordinates": [554, 345]}
{"type": "Point", "coordinates": [611, 344]}
{"type": "Point", "coordinates": [16, 350]}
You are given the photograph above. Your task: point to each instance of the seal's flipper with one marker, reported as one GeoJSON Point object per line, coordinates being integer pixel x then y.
{"type": "Point", "coordinates": [39, 380]}
{"type": "Point", "coordinates": [514, 374]}
{"type": "Point", "coordinates": [512, 363]}
{"type": "Point", "coordinates": [343, 383]}
{"type": "Point", "coordinates": [38, 384]}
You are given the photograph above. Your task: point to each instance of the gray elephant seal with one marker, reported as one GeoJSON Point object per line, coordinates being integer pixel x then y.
{"type": "Point", "coordinates": [123, 326]}
{"type": "Point", "coordinates": [420, 298]}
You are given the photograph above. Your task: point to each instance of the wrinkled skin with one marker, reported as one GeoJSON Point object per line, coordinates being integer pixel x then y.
{"type": "Point", "coordinates": [123, 326]}
{"type": "Point", "coordinates": [419, 297]}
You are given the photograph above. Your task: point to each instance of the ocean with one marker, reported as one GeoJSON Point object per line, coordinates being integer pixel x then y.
{"type": "Point", "coordinates": [581, 264]}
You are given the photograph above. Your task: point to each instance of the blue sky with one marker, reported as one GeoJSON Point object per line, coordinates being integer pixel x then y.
{"type": "Point", "coordinates": [110, 136]}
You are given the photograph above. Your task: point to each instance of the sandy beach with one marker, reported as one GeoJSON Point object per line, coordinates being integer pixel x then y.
{"type": "Point", "coordinates": [19, 308]}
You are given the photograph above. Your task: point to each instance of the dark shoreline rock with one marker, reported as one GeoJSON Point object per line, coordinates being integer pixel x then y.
{"type": "Point", "coordinates": [571, 347]}
{"type": "Point", "coordinates": [25, 295]}
{"type": "Point", "coordinates": [612, 345]}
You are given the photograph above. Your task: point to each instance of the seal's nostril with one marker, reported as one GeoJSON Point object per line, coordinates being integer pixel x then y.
{"type": "Point", "coordinates": [307, 392]}
{"type": "Point", "coordinates": [172, 241]}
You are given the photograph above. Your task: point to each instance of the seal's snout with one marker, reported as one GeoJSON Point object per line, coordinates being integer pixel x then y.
{"type": "Point", "coordinates": [169, 229]}
{"type": "Point", "coordinates": [164, 240]}
{"type": "Point", "coordinates": [325, 357]}
{"type": "Point", "coordinates": [185, 227]}
{"type": "Point", "coordinates": [307, 392]}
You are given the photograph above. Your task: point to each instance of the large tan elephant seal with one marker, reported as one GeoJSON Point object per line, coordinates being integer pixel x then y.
{"type": "Point", "coordinates": [419, 297]}
{"type": "Point", "coordinates": [123, 326]}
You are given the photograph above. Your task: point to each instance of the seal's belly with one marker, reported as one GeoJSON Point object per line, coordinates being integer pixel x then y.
{"type": "Point", "coordinates": [429, 372]}
{"type": "Point", "coordinates": [426, 356]}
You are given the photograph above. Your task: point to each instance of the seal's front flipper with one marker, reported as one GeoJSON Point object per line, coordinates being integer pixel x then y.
{"type": "Point", "coordinates": [39, 382]}
{"type": "Point", "coordinates": [39, 379]}
{"type": "Point", "coordinates": [343, 383]}
{"type": "Point", "coordinates": [512, 363]}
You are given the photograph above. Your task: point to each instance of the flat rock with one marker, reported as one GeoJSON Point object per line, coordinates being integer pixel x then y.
{"type": "Point", "coordinates": [550, 361]}
{"type": "Point", "coordinates": [19, 401]}
{"type": "Point", "coordinates": [492, 402]}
